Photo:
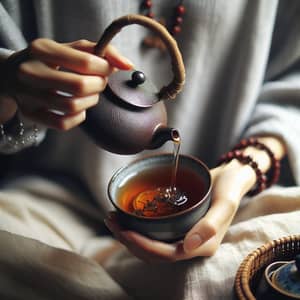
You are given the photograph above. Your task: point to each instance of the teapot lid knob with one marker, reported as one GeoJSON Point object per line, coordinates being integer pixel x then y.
{"type": "Point", "coordinates": [132, 88]}
{"type": "Point", "coordinates": [138, 77]}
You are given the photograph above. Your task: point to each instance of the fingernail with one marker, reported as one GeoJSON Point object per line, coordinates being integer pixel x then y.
{"type": "Point", "coordinates": [192, 242]}
{"type": "Point", "coordinates": [127, 62]}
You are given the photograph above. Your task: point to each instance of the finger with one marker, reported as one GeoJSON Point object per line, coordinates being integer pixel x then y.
{"type": "Point", "coordinates": [208, 248]}
{"type": "Point", "coordinates": [83, 45]}
{"type": "Point", "coordinates": [112, 55]}
{"type": "Point", "coordinates": [153, 249]}
{"type": "Point", "coordinates": [54, 120]}
{"type": "Point", "coordinates": [116, 59]}
{"type": "Point", "coordinates": [141, 246]}
{"type": "Point", "coordinates": [214, 173]}
{"type": "Point", "coordinates": [52, 101]}
{"type": "Point", "coordinates": [219, 215]}
{"type": "Point", "coordinates": [69, 57]}
{"type": "Point", "coordinates": [36, 74]}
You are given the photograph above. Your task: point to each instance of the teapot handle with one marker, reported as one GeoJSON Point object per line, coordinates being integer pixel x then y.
{"type": "Point", "coordinates": [176, 85]}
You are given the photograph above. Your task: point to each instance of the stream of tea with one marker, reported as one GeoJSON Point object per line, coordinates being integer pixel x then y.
{"type": "Point", "coordinates": [163, 199]}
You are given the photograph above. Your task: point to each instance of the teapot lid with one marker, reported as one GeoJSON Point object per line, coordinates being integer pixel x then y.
{"type": "Point", "coordinates": [287, 278]}
{"type": "Point", "coordinates": [133, 87]}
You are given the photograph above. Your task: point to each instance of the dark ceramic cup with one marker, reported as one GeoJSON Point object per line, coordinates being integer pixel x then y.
{"type": "Point", "coordinates": [171, 227]}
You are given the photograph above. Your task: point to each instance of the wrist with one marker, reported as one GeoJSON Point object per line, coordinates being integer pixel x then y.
{"type": "Point", "coordinates": [260, 156]}
{"type": "Point", "coordinates": [263, 159]}
{"type": "Point", "coordinates": [269, 151]}
{"type": "Point", "coordinates": [245, 172]}
{"type": "Point", "coordinates": [19, 133]}
{"type": "Point", "coordinates": [275, 144]}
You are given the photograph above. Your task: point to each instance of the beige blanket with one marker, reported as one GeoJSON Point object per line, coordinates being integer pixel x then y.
{"type": "Point", "coordinates": [52, 247]}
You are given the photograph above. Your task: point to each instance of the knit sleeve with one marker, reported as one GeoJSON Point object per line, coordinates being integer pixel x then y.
{"type": "Point", "coordinates": [278, 113]}
{"type": "Point", "coordinates": [278, 108]}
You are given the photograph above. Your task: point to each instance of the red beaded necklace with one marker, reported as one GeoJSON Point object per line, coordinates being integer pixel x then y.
{"type": "Point", "coordinates": [174, 26]}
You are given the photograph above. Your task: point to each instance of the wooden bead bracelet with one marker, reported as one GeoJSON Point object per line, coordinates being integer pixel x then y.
{"type": "Point", "coordinates": [262, 181]}
{"type": "Point", "coordinates": [274, 172]}
{"type": "Point", "coordinates": [247, 160]}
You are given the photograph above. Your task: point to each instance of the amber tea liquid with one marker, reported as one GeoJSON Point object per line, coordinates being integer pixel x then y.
{"type": "Point", "coordinates": [162, 190]}
{"type": "Point", "coordinates": [150, 180]}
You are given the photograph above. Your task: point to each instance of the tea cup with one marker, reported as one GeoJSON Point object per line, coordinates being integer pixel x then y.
{"type": "Point", "coordinates": [170, 227]}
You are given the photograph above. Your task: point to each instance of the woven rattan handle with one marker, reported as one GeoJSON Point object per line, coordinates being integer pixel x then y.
{"type": "Point", "coordinates": [175, 86]}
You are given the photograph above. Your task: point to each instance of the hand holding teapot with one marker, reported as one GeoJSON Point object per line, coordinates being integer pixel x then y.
{"type": "Point", "coordinates": [129, 117]}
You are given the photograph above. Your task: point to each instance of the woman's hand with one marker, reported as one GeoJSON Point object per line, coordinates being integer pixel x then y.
{"type": "Point", "coordinates": [56, 82]}
{"type": "Point", "coordinates": [230, 183]}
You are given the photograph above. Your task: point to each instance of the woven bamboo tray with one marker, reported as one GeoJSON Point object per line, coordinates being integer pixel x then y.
{"type": "Point", "coordinates": [251, 269]}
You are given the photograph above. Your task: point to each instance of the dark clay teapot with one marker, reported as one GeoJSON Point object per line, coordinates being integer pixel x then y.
{"type": "Point", "coordinates": [130, 116]}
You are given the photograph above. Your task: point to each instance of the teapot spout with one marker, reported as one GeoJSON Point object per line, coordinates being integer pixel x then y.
{"type": "Point", "coordinates": [163, 134]}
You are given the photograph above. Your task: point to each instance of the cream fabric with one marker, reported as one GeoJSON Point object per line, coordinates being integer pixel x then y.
{"type": "Point", "coordinates": [49, 236]}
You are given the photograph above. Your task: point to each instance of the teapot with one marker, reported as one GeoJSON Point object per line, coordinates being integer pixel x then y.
{"type": "Point", "coordinates": [130, 116]}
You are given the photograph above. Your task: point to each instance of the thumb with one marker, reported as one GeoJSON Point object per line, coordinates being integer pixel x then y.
{"type": "Point", "coordinates": [218, 217]}
{"type": "Point", "coordinates": [199, 234]}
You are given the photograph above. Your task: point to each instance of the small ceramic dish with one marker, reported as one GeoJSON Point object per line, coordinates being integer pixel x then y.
{"type": "Point", "coordinates": [283, 278]}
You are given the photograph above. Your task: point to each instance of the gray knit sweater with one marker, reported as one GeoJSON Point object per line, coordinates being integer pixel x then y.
{"type": "Point", "coordinates": [242, 77]}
